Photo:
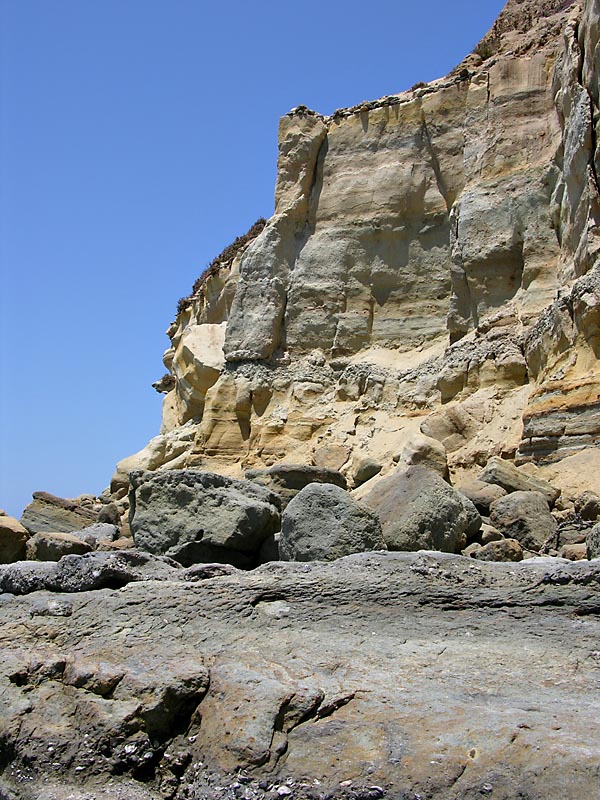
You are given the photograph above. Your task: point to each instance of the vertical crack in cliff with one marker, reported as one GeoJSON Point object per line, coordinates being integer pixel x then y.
{"type": "Point", "coordinates": [435, 164]}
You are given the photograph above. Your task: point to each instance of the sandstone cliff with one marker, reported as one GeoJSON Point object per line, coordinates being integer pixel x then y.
{"type": "Point", "coordinates": [431, 267]}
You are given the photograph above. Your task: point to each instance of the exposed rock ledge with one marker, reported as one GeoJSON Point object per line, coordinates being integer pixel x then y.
{"type": "Point", "coordinates": [422, 674]}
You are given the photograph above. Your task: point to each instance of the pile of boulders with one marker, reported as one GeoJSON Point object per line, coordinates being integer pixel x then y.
{"type": "Point", "coordinates": [295, 512]}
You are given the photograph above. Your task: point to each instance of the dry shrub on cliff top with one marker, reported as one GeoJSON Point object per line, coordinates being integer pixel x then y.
{"type": "Point", "coordinates": [224, 259]}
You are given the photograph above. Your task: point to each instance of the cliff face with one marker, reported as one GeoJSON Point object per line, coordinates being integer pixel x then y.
{"type": "Point", "coordinates": [431, 267]}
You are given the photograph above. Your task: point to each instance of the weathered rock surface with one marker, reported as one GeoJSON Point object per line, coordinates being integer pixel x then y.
{"type": "Point", "coordinates": [481, 494]}
{"type": "Point", "coordinates": [55, 514]}
{"type": "Point", "coordinates": [323, 523]}
{"type": "Point", "coordinates": [592, 542]}
{"type": "Point", "coordinates": [328, 672]}
{"type": "Point", "coordinates": [13, 537]}
{"type": "Point", "coordinates": [194, 516]}
{"type": "Point", "coordinates": [524, 516]}
{"type": "Point", "coordinates": [418, 510]}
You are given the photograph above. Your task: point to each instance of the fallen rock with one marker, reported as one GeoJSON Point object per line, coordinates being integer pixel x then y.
{"type": "Point", "coordinates": [47, 546]}
{"type": "Point", "coordinates": [426, 451]}
{"type": "Point", "coordinates": [489, 534]}
{"type": "Point", "coordinates": [418, 510]}
{"type": "Point", "coordinates": [574, 552]}
{"type": "Point", "coordinates": [13, 537]}
{"type": "Point", "coordinates": [364, 470]}
{"type": "Point", "coordinates": [286, 480]}
{"type": "Point", "coordinates": [504, 474]}
{"type": "Point", "coordinates": [95, 570]}
{"type": "Point", "coordinates": [524, 516]}
{"type": "Point", "coordinates": [501, 550]}
{"type": "Point", "coordinates": [323, 523]}
{"type": "Point", "coordinates": [110, 514]}
{"type": "Point", "coordinates": [99, 532]}
{"type": "Point", "coordinates": [193, 516]}
{"type": "Point", "coordinates": [592, 542]}
{"type": "Point", "coordinates": [587, 505]}
{"type": "Point", "coordinates": [481, 494]}
{"type": "Point", "coordinates": [55, 514]}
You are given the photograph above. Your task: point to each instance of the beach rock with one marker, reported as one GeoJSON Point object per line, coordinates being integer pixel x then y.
{"type": "Point", "coordinates": [503, 473]}
{"type": "Point", "coordinates": [574, 552]}
{"type": "Point", "coordinates": [323, 523]}
{"type": "Point", "coordinates": [364, 470]}
{"type": "Point", "coordinates": [592, 542]}
{"type": "Point", "coordinates": [47, 546]}
{"type": "Point", "coordinates": [418, 510]}
{"type": "Point", "coordinates": [587, 505]}
{"type": "Point", "coordinates": [13, 537]}
{"type": "Point", "coordinates": [56, 515]}
{"type": "Point", "coordinates": [427, 452]}
{"type": "Point", "coordinates": [524, 516]}
{"type": "Point", "coordinates": [481, 494]}
{"type": "Point", "coordinates": [193, 516]}
{"type": "Point", "coordinates": [99, 532]}
{"type": "Point", "coordinates": [110, 514]}
{"type": "Point", "coordinates": [286, 480]}
{"type": "Point", "coordinates": [501, 550]}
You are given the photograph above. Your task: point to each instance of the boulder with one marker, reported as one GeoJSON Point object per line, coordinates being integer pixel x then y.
{"type": "Point", "coordinates": [426, 451]}
{"type": "Point", "coordinates": [13, 537]}
{"type": "Point", "coordinates": [55, 514]}
{"type": "Point", "coordinates": [502, 550]}
{"type": "Point", "coordinates": [110, 514]}
{"type": "Point", "coordinates": [481, 494]}
{"type": "Point", "coordinates": [592, 542]}
{"type": "Point", "coordinates": [364, 469]}
{"type": "Point", "coordinates": [418, 510]}
{"type": "Point", "coordinates": [99, 532]}
{"type": "Point", "coordinates": [524, 516]}
{"type": "Point", "coordinates": [587, 505]}
{"type": "Point", "coordinates": [323, 523]}
{"type": "Point", "coordinates": [574, 552]}
{"type": "Point", "coordinates": [502, 473]}
{"type": "Point", "coordinates": [194, 516]}
{"type": "Point", "coordinates": [48, 546]}
{"type": "Point", "coordinates": [288, 479]}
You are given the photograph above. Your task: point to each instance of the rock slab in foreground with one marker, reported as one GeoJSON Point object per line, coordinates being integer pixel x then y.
{"type": "Point", "coordinates": [324, 522]}
{"type": "Point", "coordinates": [193, 516]}
{"type": "Point", "coordinates": [411, 672]}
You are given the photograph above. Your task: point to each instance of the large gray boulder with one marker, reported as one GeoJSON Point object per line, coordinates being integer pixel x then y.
{"type": "Point", "coordinates": [194, 516]}
{"type": "Point", "coordinates": [323, 522]}
{"type": "Point", "coordinates": [524, 516]}
{"type": "Point", "coordinates": [418, 510]}
{"type": "Point", "coordinates": [503, 473]}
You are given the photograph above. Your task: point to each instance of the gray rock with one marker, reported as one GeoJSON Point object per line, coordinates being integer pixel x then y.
{"type": "Point", "coordinates": [99, 532]}
{"type": "Point", "coordinates": [592, 542]}
{"type": "Point", "coordinates": [47, 546]}
{"type": "Point", "coordinates": [524, 516]}
{"type": "Point", "coordinates": [110, 514]}
{"type": "Point", "coordinates": [481, 494]}
{"type": "Point", "coordinates": [501, 550]}
{"type": "Point", "coordinates": [195, 516]}
{"type": "Point", "coordinates": [323, 523]}
{"type": "Point", "coordinates": [418, 510]}
{"type": "Point", "coordinates": [96, 570]}
{"type": "Point", "coordinates": [288, 479]}
{"type": "Point", "coordinates": [365, 469]}
{"type": "Point", "coordinates": [587, 505]}
{"type": "Point", "coordinates": [269, 550]}
{"type": "Point", "coordinates": [506, 475]}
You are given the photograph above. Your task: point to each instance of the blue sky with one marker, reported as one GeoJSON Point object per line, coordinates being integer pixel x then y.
{"type": "Point", "coordinates": [137, 139]}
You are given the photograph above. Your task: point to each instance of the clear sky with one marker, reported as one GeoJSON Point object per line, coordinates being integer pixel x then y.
{"type": "Point", "coordinates": [137, 139]}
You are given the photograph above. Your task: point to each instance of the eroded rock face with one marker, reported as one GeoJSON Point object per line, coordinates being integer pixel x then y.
{"type": "Point", "coordinates": [327, 672]}
{"type": "Point", "coordinates": [431, 265]}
